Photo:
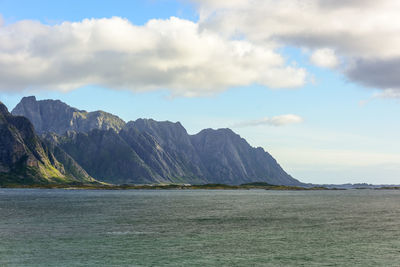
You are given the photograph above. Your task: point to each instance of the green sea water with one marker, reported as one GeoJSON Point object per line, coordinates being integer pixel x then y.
{"type": "Point", "coordinates": [55, 227]}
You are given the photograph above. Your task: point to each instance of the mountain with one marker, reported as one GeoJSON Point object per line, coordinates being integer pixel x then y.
{"type": "Point", "coordinates": [228, 158]}
{"type": "Point", "coordinates": [174, 145]}
{"type": "Point", "coordinates": [149, 151]}
{"type": "Point", "coordinates": [56, 116]}
{"type": "Point", "coordinates": [129, 156]}
{"type": "Point", "coordinates": [214, 156]}
{"type": "Point", "coordinates": [106, 156]}
{"type": "Point", "coordinates": [26, 159]}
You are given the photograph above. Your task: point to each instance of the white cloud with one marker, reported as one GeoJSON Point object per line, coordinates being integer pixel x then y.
{"type": "Point", "coordinates": [234, 43]}
{"type": "Point", "coordinates": [363, 33]}
{"type": "Point", "coordinates": [169, 54]}
{"type": "Point", "coordinates": [325, 58]}
{"type": "Point", "coordinates": [285, 119]}
{"type": "Point", "coordinates": [388, 93]}
{"type": "Point", "coordinates": [280, 120]}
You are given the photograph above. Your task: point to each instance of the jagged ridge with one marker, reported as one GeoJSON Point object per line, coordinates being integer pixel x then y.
{"type": "Point", "coordinates": [56, 116]}
{"type": "Point", "coordinates": [26, 159]}
{"type": "Point", "coordinates": [148, 151]}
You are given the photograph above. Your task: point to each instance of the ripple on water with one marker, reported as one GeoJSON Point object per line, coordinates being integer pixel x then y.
{"type": "Point", "coordinates": [199, 228]}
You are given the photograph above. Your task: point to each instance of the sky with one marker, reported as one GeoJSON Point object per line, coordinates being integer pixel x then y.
{"type": "Point", "coordinates": [313, 82]}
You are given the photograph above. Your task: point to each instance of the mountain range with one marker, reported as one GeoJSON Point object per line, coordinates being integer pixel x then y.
{"type": "Point", "coordinates": [99, 145]}
{"type": "Point", "coordinates": [25, 158]}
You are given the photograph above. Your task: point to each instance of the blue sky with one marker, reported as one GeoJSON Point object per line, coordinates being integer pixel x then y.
{"type": "Point", "coordinates": [348, 130]}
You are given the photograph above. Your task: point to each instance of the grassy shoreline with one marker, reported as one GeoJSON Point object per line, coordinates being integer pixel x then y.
{"type": "Point", "coordinates": [250, 186]}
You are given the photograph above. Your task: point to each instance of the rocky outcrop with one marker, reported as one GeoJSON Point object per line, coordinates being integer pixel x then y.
{"type": "Point", "coordinates": [106, 156]}
{"type": "Point", "coordinates": [56, 116]}
{"type": "Point", "coordinates": [174, 145]}
{"type": "Point", "coordinates": [149, 151]}
{"type": "Point", "coordinates": [26, 159]}
{"type": "Point", "coordinates": [228, 158]}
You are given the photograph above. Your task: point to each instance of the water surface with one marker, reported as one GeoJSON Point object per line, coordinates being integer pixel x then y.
{"type": "Point", "coordinates": [57, 227]}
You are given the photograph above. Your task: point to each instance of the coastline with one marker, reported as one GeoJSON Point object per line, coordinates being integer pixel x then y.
{"type": "Point", "coordinates": [168, 187]}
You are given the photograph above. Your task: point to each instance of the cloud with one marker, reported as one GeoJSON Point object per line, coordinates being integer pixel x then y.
{"type": "Point", "coordinates": [172, 54]}
{"type": "Point", "coordinates": [234, 43]}
{"type": "Point", "coordinates": [363, 33]}
{"type": "Point", "coordinates": [280, 120]}
{"type": "Point", "coordinates": [381, 73]}
{"type": "Point", "coordinates": [325, 58]}
{"type": "Point", "coordinates": [388, 93]}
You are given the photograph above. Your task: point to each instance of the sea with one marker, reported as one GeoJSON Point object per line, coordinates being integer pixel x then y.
{"type": "Point", "coordinates": [59, 227]}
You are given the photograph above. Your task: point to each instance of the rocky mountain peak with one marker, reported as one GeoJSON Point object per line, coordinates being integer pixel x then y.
{"type": "Point", "coordinates": [148, 151]}
{"type": "Point", "coordinates": [26, 159]}
{"type": "Point", "coordinates": [3, 108]}
{"type": "Point", "coordinates": [58, 117]}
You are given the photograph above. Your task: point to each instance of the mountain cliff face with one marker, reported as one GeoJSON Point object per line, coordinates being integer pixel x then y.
{"type": "Point", "coordinates": [228, 158]}
{"type": "Point", "coordinates": [56, 116]}
{"type": "Point", "coordinates": [175, 142]}
{"type": "Point", "coordinates": [148, 151]}
{"type": "Point", "coordinates": [26, 159]}
{"type": "Point", "coordinates": [129, 156]}
{"type": "Point", "coordinates": [106, 156]}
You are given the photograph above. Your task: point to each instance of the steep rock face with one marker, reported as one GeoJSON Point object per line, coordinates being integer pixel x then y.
{"type": "Point", "coordinates": [56, 116]}
{"type": "Point", "coordinates": [175, 142]}
{"type": "Point", "coordinates": [149, 151]}
{"type": "Point", "coordinates": [26, 159]}
{"type": "Point", "coordinates": [215, 156]}
{"type": "Point", "coordinates": [125, 157]}
{"type": "Point", "coordinates": [106, 156]}
{"type": "Point", "coordinates": [229, 159]}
